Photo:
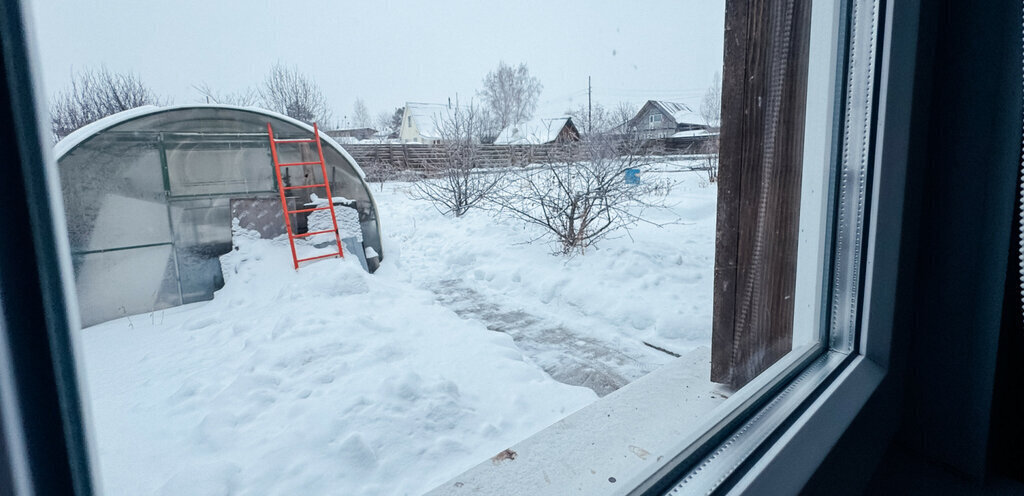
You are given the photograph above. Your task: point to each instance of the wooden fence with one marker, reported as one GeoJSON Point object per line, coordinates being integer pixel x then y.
{"type": "Point", "coordinates": [416, 157]}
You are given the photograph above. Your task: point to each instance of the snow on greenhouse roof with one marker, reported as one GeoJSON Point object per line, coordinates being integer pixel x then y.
{"type": "Point", "coordinates": [535, 132]}
{"type": "Point", "coordinates": [85, 132]}
{"type": "Point", "coordinates": [71, 141]}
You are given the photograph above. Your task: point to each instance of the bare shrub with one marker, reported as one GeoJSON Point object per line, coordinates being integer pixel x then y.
{"type": "Point", "coordinates": [709, 157]}
{"type": "Point", "coordinates": [380, 170]}
{"type": "Point", "coordinates": [586, 197]}
{"type": "Point", "coordinates": [95, 94]}
{"type": "Point", "coordinates": [456, 182]}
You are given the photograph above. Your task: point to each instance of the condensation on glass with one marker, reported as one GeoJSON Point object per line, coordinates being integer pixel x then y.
{"type": "Point", "coordinates": [149, 196]}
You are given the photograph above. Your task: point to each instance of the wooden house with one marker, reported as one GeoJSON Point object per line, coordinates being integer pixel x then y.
{"type": "Point", "coordinates": [658, 119]}
{"type": "Point", "coordinates": [421, 122]}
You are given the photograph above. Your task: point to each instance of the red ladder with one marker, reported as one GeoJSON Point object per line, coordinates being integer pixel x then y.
{"type": "Point", "coordinates": [284, 203]}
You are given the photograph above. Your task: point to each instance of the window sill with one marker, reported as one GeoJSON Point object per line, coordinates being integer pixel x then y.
{"type": "Point", "coordinates": [613, 446]}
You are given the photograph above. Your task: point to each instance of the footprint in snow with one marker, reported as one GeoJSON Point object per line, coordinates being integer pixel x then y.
{"type": "Point", "coordinates": [200, 323]}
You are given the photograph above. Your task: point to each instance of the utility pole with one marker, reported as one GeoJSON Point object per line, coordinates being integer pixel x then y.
{"type": "Point", "coordinates": [590, 109]}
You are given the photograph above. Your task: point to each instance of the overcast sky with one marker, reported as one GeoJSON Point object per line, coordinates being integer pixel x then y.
{"type": "Point", "coordinates": [390, 52]}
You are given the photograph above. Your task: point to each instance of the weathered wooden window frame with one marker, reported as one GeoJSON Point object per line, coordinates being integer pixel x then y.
{"type": "Point", "coordinates": [764, 96]}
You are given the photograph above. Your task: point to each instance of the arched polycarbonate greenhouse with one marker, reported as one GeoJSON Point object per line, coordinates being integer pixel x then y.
{"type": "Point", "coordinates": [150, 195]}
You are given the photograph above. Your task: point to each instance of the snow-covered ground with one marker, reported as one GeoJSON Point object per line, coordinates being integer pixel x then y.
{"type": "Point", "coordinates": [651, 285]}
{"type": "Point", "coordinates": [329, 380]}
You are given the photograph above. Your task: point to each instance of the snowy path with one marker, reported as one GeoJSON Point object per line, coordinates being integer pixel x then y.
{"type": "Point", "coordinates": [565, 354]}
{"type": "Point", "coordinates": [584, 320]}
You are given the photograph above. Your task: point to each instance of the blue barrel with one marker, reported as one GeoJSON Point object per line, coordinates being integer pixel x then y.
{"type": "Point", "coordinates": [632, 176]}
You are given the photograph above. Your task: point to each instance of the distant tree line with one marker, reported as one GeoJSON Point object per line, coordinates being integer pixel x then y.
{"type": "Point", "coordinates": [94, 94]}
{"type": "Point", "coordinates": [509, 95]}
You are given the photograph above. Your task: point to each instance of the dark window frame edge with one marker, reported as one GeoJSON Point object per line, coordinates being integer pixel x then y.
{"type": "Point", "coordinates": [790, 461]}
{"type": "Point", "coordinates": [52, 450]}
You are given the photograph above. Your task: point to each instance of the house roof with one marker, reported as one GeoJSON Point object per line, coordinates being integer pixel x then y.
{"type": "Point", "coordinates": [679, 112]}
{"type": "Point", "coordinates": [428, 116]}
{"type": "Point", "coordinates": [534, 132]}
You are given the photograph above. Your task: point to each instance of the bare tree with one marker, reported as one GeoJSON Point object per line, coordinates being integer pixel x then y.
{"type": "Point", "coordinates": [598, 119]}
{"type": "Point", "coordinates": [247, 98]}
{"type": "Point", "coordinates": [511, 94]}
{"type": "Point", "coordinates": [623, 113]}
{"type": "Point", "coordinates": [383, 124]}
{"type": "Point", "coordinates": [711, 104]}
{"type": "Point", "coordinates": [95, 94]}
{"type": "Point", "coordinates": [711, 113]}
{"type": "Point", "coordinates": [583, 117]}
{"type": "Point", "coordinates": [587, 197]}
{"type": "Point", "coordinates": [292, 93]}
{"type": "Point", "coordinates": [389, 123]}
{"type": "Point", "coordinates": [456, 183]}
{"type": "Point", "coordinates": [490, 126]}
{"type": "Point", "coordinates": [360, 114]}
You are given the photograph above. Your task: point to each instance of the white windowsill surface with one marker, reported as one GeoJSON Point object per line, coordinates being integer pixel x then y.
{"type": "Point", "coordinates": [626, 436]}
{"type": "Point", "coordinates": [628, 432]}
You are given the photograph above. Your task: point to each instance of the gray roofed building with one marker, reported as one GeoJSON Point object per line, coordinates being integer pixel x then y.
{"type": "Point", "coordinates": [659, 119]}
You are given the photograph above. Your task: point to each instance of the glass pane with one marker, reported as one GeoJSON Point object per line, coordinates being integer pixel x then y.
{"type": "Point", "coordinates": [118, 199]}
{"type": "Point", "coordinates": [221, 164]}
{"type": "Point", "coordinates": [122, 283]}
